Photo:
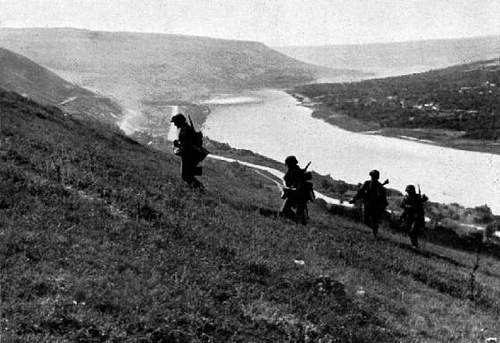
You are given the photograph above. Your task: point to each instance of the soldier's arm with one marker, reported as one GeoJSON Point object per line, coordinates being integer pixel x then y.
{"type": "Point", "coordinates": [287, 179]}
{"type": "Point", "coordinates": [360, 193]}
{"type": "Point", "coordinates": [406, 205]}
{"type": "Point", "coordinates": [403, 203]}
{"type": "Point", "coordinates": [182, 137]}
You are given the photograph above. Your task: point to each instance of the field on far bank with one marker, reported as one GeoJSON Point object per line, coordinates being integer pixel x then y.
{"type": "Point", "coordinates": [442, 137]}
{"type": "Point", "coordinates": [456, 107]}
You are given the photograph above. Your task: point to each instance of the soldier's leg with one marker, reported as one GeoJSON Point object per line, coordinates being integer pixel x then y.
{"type": "Point", "coordinates": [187, 172]}
{"type": "Point", "coordinates": [414, 231]}
{"type": "Point", "coordinates": [375, 219]}
{"type": "Point", "coordinates": [301, 213]}
{"type": "Point", "coordinates": [366, 216]}
{"type": "Point", "coordinates": [370, 220]}
{"type": "Point", "coordinates": [286, 209]}
{"type": "Point", "coordinates": [414, 240]}
{"type": "Point", "coordinates": [196, 184]}
{"type": "Point", "coordinates": [407, 226]}
{"type": "Point", "coordinates": [185, 169]}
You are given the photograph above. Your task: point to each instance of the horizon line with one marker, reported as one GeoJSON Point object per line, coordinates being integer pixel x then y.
{"type": "Point", "coordinates": [492, 35]}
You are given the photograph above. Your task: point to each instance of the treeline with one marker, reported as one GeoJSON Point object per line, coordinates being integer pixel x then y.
{"type": "Point", "coordinates": [463, 98]}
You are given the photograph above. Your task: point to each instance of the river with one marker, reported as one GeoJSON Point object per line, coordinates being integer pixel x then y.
{"type": "Point", "coordinates": [273, 124]}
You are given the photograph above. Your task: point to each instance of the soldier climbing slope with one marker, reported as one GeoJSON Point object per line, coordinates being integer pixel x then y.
{"type": "Point", "coordinates": [297, 192]}
{"type": "Point", "coordinates": [189, 147]}
{"type": "Point", "coordinates": [374, 198]}
{"type": "Point", "coordinates": [413, 213]}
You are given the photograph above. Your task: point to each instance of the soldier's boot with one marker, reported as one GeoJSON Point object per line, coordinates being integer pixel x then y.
{"type": "Point", "coordinates": [414, 239]}
{"type": "Point", "coordinates": [288, 215]}
{"type": "Point", "coordinates": [369, 221]}
{"type": "Point", "coordinates": [301, 214]}
{"type": "Point", "coordinates": [198, 171]}
{"type": "Point", "coordinates": [413, 233]}
{"type": "Point", "coordinates": [301, 220]}
{"type": "Point", "coordinates": [195, 184]}
{"type": "Point", "coordinates": [374, 225]}
{"type": "Point", "coordinates": [286, 210]}
{"type": "Point", "coordinates": [414, 242]}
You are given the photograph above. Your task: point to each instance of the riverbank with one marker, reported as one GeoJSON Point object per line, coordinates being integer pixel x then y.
{"type": "Point", "coordinates": [458, 221]}
{"type": "Point", "coordinates": [439, 137]}
{"type": "Point", "coordinates": [250, 120]}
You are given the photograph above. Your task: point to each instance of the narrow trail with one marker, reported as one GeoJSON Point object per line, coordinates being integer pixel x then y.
{"type": "Point", "coordinates": [428, 249]}
{"type": "Point", "coordinates": [278, 174]}
{"type": "Point", "coordinates": [68, 100]}
{"type": "Point", "coordinates": [329, 200]}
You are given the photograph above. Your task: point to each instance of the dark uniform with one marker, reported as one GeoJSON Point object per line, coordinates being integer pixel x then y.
{"type": "Point", "coordinates": [185, 147]}
{"type": "Point", "coordinates": [413, 213]}
{"type": "Point", "coordinates": [297, 193]}
{"type": "Point", "coordinates": [374, 198]}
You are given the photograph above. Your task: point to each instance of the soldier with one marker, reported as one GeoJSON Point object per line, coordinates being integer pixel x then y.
{"type": "Point", "coordinates": [372, 193]}
{"type": "Point", "coordinates": [185, 147]}
{"type": "Point", "coordinates": [297, 191]}
{"type": "Point", "coordinates": [413, 213]}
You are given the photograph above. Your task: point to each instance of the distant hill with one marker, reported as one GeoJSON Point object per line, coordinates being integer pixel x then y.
{"type": "Point", "coordinates": [389, 59]}
{"type": "Point", "coordinates": [19, 74]}
{"type": "Point", "coordinates": [131, 66]}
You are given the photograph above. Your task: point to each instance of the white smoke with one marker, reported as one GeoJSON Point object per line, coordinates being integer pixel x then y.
{"type": "Point", "coordinates": [172, 132]}
{"type": "Point", "coordinates": [237, 100]}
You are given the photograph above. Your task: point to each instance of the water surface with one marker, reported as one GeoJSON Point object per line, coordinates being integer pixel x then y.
{"type": "Point", "coordinates": [277, 126]}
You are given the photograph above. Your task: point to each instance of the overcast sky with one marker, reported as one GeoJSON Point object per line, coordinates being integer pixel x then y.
{"type": "Point", "coordinates": [274, 22]}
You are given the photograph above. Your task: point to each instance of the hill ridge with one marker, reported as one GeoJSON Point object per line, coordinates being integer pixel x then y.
{"type": "Point", "coordinates": [480, 37]}
{"type": "Point", "coordinates": [176, 67]}
{"type": "Point", "coordinates": [397, 58]}
{"type": "Point", "coordinates": [144, 33]}
{"type": "Point", "coordinates": [21, 74]}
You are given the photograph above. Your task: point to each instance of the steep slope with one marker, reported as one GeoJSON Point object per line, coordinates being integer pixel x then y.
{"type": "Point", "coordinates": [19, 74]}
{"type": "Point", "coordinates": [100, 241]}
{"type": "Point", "coordinates": [398, 58]}
{"type": "Point", "coordinates": [158, 66]}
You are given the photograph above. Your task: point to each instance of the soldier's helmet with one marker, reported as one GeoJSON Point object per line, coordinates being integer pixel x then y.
{"type": "Point", "coordinates": [178, 119]}
{"type": "Point", "coordinates": [374, 173]}
{"type": "Point", "coordinates": [410, 189]}
{"type": "Point", "coordinates": [291, 161]}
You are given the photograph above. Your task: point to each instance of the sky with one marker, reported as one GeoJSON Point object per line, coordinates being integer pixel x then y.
{"type": "Point", "coordinates": [273, 22]}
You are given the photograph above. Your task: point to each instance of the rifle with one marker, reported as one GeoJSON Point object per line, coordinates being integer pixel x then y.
{"type": "Point", "coordinates": [307, 166]}
{"type": "Point", "coordinates": [198, 141]}
{"type": "Point", "coordinates": [355, 198]}
{"type": "Point", "coordinates": [423, 197]}
{"type": "Point", "coordinates": [190, 121]}
{"type": "Point", "coordinates": [307, 175]}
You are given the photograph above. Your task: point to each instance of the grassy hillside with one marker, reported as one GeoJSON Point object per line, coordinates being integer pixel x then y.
{"type": "Point", "coordinates": [386, 59]}
{"type": "Point", "coordinates": [19, 74]}
{"type": "Point", "coordinates": [140, 66]}
{"type": "Point", "coordinates": [100, 241]}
